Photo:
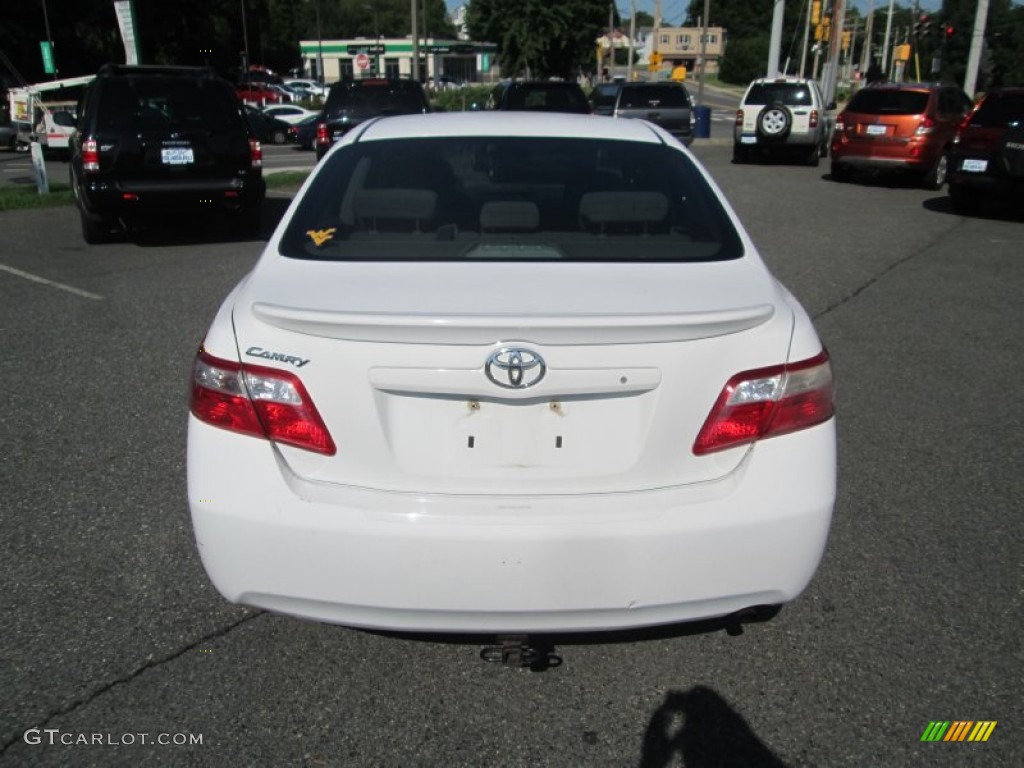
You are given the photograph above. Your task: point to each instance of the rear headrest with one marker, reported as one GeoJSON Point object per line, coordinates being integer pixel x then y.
{"type": "Point", "coordinates": [509, 216]}
{"type": "Point", "coordinates": [395, 204]}
{"type": "Point", "coordinates": [602, 208]}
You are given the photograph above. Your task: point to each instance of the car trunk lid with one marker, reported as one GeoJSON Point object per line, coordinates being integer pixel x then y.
{"type": "Point", "coordinates": [424, 398]}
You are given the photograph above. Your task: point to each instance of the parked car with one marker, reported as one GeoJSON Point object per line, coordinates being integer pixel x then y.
{"type": "Point", "coordinates": [782, 115]}
{"type": "Point", "coordinates": [289, 113]}
{"type": "Point", "coordinates": [267, 129]}
{"type": "Point", "coordinates": [663, 103]}
{"type": "Point", "coordinates": [8, 136]}
{"type": "Point", "coordinates": [351, 102]}
{"type": "Point", "coordinates": [162, 141]}
{"type": "Point", "coordinates": [539, 96]}
{"type": "Point", "coordinates": [510, 373]}
{"type": "Point", "coordinates": [258, 94]}
{"type": "Point", "coordinates": [906, 127]}
{"type": "Point", "coordinates": [303, 133]}
{"type": "Point", "coordinates": [311, 87]}
{"type": "Point", "coordinates": [987, 155]}
{"type": "Point", "coordinates": [603, 97]}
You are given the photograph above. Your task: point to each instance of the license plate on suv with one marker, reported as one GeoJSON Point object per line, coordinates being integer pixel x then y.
{"type": "Point", "coordinates": [177, 156]}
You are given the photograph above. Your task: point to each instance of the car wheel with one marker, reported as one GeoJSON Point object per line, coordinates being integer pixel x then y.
{"type": "Point", "coordinates": [774, 122]}
{"type": "Point", "coordinates": [248, 218]}
{"type": "Point", "coordinates": [935, 177]}
{"type": "Point", "coordinates": [95, 231]}
{"type": "Point", "coordinates": [278, 137]}
{"type": "Point", "coordinates": [813, 157]}
{"type": "Point", "coordinates": [841, 173]}
{"type": "Point", "coordinates": [963, 199]}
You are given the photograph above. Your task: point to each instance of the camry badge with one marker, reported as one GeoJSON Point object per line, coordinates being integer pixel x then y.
{"type": "Point", "coordinates": [515, 368]}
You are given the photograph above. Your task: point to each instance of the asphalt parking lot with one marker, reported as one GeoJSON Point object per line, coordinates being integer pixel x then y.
{"type": "Point", "coordinates": [110, 628]}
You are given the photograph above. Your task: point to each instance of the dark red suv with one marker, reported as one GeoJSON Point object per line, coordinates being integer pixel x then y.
{"type": "Point", "coordinates": [899, 127]}
{"type": "Point", "coordinates": [988, 150]}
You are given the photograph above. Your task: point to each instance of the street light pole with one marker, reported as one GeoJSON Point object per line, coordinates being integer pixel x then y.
{"type": "Point", "coordinates": [49, 38]}
{"type": "Point", "coordinates": [319, 47]}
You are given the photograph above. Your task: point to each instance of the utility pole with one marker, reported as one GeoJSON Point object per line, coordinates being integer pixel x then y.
{"type": "Point", "coordinates": [977, 41]}
{"type": "Point", "coordinates": [632, 38]}
{"type": "Point", "coordinates": [703, 51]}
{"type": "Point", "coordinates": [865, 54]}
{"type": "Point", "coordinates": [807, 34]}
{"type": "Point", "coordinates": [611, 38]}
{"type": "Point", "coordinates": [888, 35]}
{"type": "Point", "coordinates": [415, 44]}
{"type": "Point", "coordinates": [775, 44]}
{"type": "Point", "coordinates": [832, 68]}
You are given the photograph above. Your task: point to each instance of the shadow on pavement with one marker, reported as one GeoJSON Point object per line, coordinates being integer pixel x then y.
{"type": "Point", "coordinates": [698, 729]}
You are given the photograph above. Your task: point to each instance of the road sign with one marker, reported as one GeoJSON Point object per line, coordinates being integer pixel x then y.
{"type": "Point", "coordinates": [362, 61]}
{"type": "Point", "coordinates": [47, 52]}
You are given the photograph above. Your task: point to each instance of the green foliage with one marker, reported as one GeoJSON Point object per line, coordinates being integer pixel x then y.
{"type": "Point", "coordinates": [540, 38]}
{"type": "Point", "coordinates": [461, 99]}
{"type": "Point", "coordinates": [745, 60]}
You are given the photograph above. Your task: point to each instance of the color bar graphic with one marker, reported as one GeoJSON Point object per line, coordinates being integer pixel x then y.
{"type": "Point", "coordinates": [958, 730]}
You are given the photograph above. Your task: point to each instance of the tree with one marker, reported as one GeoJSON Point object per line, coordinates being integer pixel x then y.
{"type": "Point", "coordinates": [540, 37]}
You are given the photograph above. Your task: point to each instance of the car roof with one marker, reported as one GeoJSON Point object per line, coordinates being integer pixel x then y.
{"type": "Point", "coordinates": [513, 123]}
{"type": "Point", "coordinates": [782, 80]}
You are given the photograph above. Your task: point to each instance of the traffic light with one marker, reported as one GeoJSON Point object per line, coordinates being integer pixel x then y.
{"type": "Point", "coordinates": [950, 31]}
{"type": "Point", "coordinates": [922, 25]}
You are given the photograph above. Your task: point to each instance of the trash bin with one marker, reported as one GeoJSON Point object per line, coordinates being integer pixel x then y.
{"type": "Point", "coordinates": [702, 122]}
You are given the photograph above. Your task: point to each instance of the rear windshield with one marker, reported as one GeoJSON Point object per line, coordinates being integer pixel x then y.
{"type": "Point", "coordinates": [546, 98]}
{"type": "Point", "coordinates": [604, 95]}
{"type": "Point", "coordinates": [167, 103]}
{"type": "Point", "coordinates": [641, 97]}
{"type": "Point", "coordinates": [999, 110]}
{"type": "Point", "coordinates": [379, 97]}
{"type": "Point", "coordinates": [889, 101]}
{"type": "Point", "coordinates": [509, 199]}
{"type": "Point", "coordinates": [790, 94]}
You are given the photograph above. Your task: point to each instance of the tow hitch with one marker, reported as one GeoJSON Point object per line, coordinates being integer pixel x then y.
{"type": "Point", "coordinates": [517, 651]}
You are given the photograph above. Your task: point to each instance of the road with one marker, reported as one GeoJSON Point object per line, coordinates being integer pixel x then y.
{"type": "Point", "coordinates": [111, 631]}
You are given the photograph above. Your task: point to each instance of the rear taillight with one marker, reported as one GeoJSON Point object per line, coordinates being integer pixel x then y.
{"type": "Point", "coordinates": [258, 401]}
{"type": "Point", "coordinates": [768, 402]}
{"type": "Point", "coordinates": [962, 128]}
{"type": "Point", "coordinates": [813, 120]}
{"type": "Point", "coordinates": [739, 117]}
{"type": "Point", "coordinates": [90, 155]}
{"type": "Point", "coordinates": [926, 126]}
{"type": "Point", "coordinates": [323, 136]}
{"type": "Point", "coordinates": [840, 124]}
{"type": "Point", "coordinates": [255, 153]}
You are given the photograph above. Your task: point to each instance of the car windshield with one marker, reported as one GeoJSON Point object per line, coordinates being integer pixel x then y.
{"type": "Point", "coordinates": [889, 101]}
{"type": "Point", "coordinates": [1000, 110]}
{"type": "Point", "coordinates": [790, 94]}
{"type": "Point", "coordinates": [510, 199]}
{"type": "Point", "coordinates": [604, 95]}
{"type": "Point", "coordinates": [644, 96]}
{"type": "Point", "coordinates": [135, 102]}
{"type": "Point", "coordinates": [375, 96]}
{"type": "Point", "coordinates": [553, 98]}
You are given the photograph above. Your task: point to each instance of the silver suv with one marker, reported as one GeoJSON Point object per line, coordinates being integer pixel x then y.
{"type": "Point", "coordinates": [783, 114]}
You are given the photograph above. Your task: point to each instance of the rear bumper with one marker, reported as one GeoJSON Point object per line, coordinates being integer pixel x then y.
{"type": "Point", "coordinates": [493, 564]}
{"type": "Point", "coordinates": [750, 139]}
{"type": "Point", "coordinates": [111, 199]}
{"type": "Point", "coordinates": [866, 156]}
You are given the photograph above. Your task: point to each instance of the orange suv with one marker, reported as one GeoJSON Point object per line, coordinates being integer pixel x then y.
{"type": "Point", "coordinates": [899, 127]}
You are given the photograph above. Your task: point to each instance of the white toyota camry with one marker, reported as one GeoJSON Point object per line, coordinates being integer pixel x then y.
{"type": "Point", "coordinates": [510, 372]}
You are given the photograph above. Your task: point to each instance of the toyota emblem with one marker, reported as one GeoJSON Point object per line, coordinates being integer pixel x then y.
{"type": "Point", "coordinates": [515, 368]}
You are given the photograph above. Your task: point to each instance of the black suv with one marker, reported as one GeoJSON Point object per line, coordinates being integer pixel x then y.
{"type": "Point", "coordinates": [352, 102]}
{"type": "Point", "coordinates": [539, 96]}
{"type": "Point", "coordinates": [164, 140]}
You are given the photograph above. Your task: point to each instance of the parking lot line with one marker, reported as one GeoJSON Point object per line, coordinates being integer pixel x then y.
{"type": "Point", "coordinates": [51, 283]}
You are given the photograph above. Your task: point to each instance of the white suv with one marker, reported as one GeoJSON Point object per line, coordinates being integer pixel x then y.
{"type": "Point", "coordinates": [783, 114]}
